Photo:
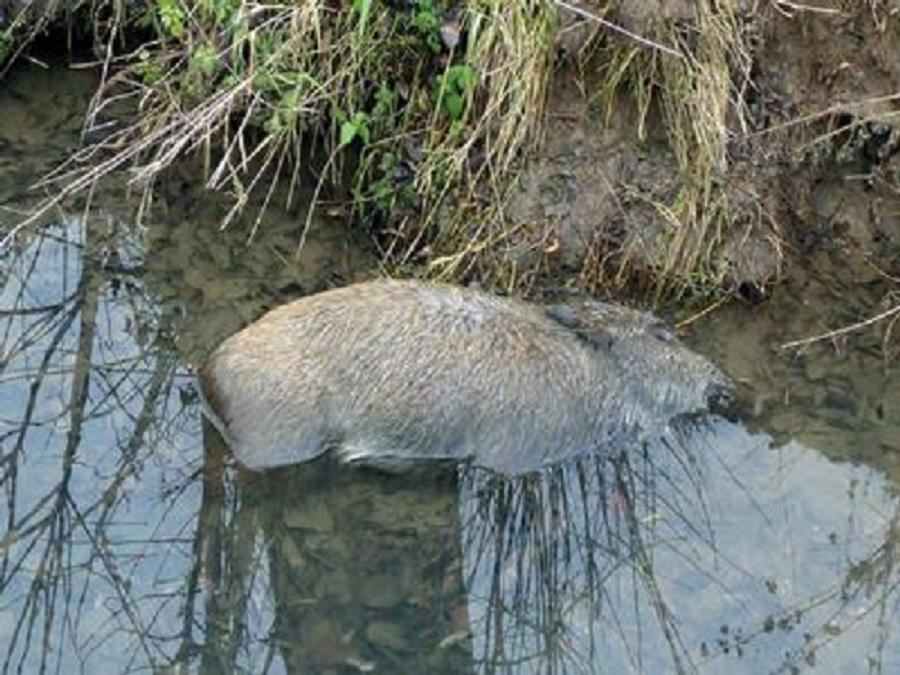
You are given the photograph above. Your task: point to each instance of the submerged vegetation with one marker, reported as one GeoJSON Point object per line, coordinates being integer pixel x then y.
{"type": "Point", "coordinates": [415, 113]}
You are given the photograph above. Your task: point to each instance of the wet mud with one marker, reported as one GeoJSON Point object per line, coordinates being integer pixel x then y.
{"type": "Point", "coordinates": [817, 166]}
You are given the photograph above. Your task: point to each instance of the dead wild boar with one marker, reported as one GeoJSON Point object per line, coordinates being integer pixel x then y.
{"type": "Point", "coordinates": [387, 371]}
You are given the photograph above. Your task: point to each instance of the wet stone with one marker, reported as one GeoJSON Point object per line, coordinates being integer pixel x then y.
{"type": "Point", "coordinates": [380, 591]}
{"type": "Point", "coordinates": [360, 665]}
{"type": "Point", "coordinates": [816, 369]}
{"type": "Point", "coordinates": [840, 400]}
{"type": "Point", "coordinates": [310, 515]}
{"type": "Point", "coordinates": [888, 409]}
{"type": "Point", "coordinates": [292, 553]}
{"type": "Point", "coordinates": [786, 423]}
{"type": "Point", "coordinates": [412, 512]}
{"type": "Point", "coordinates": [322, 641]}
{"type": "Point", "coordinates": [386, 635]}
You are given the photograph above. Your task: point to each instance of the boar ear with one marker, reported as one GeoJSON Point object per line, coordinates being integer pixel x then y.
{"type": "Point", "coordinates": [563, 315]}
{"type": "Point", "coordinates": [589, 331]}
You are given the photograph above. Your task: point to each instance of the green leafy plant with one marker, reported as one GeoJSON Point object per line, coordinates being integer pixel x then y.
{"type": "Point", "coordinates": [6, 42]}
{"type": "Point", "coordinates": [205, 60]}
{"type": "Point", "coordinates": [359, 80]}
{"type": "Point", "coordinates": [171, 16]}
{"type": "Point", "coordinates": [384, 103]}
{"type": "Point", "coordinates": [220, 11]}
{"type": "Point", "coordinates": [453, 88]}
{"type": "Point", "coordinates": [355, 126]}
{"type": "Point", "coordinates": [149, 68]}
{"type": "Point", "coordinates": [427, 23]}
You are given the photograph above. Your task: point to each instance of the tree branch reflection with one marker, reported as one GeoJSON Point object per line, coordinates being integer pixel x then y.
{"type": "Point", "coordinates": [131, 541]}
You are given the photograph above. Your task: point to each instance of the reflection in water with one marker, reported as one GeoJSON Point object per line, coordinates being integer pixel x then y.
{"type": "Point", "coordinates": [100, 451]}
{"type": "Point", "coordinates": [839, 395]}
{"type": "Point", "coordinates": [365, 570]}
{"type": "Point", "coordinates": [97, 442]}
{"type": "Point", "coordinates": [702, 553]}
{"type": "Point", "coordinates": [130, 542]}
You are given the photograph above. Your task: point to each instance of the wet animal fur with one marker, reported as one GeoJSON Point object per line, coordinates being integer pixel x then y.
{"type": "Point", "coordinates": [407, 370]}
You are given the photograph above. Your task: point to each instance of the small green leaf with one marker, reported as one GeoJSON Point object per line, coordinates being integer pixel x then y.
{"type": "Point", "coordinates": [462, 76]}
{"type": "Point", "coordinates": [338, 114]}
{"type": "Point", "coordinates": [205, 60]}
{"type": "Point", "coordinates": [388, 161]}
{"type": "Point", "coordinates": [361, 122]}
{"type": "Point", "coordinates": [171, 17]}
{"type": "Point", "coordinates": [348, 133]}
{"type": "Point", "coordinates": [465, 78]}
{"type": "Point", "coordinates": [273, 124]}
{"type": "Point", "coordinates": [384, 102]}
{"type": "Point", "coordinates": [457, 130]}
{"type": "Point", "coordinates": [453, 105]}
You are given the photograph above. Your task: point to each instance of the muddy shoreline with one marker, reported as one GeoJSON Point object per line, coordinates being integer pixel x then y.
{"type": "Point", "coordinates": [817, 168]}
{"type": "Point", "coordinates": [811, 164]}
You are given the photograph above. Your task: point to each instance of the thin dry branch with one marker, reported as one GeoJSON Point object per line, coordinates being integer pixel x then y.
{"type": "Point", "coordinates": [646, 42]}
{"type": "Point", "coordinates": [842, 331]}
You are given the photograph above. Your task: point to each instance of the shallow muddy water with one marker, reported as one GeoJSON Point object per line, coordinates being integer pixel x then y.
{"type": "Point", "coordinates": [129, 542]}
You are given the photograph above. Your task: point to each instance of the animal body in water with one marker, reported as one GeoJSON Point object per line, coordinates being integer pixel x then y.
{"type": "Point", "coordinates": [388, 371]}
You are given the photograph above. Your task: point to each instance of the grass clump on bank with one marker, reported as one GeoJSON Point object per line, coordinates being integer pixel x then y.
{"type": "Point", "coordinates": [423, 108]}
{"type": "Point", "coordinates": [702, 109]}
{"type": "Point", "coordinates": [405, 98]}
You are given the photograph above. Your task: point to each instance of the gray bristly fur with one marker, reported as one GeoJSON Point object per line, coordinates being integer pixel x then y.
{"type": "Point", "coordinates": [399, 370]}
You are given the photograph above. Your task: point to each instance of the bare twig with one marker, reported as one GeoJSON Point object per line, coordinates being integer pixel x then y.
{"type": "Point", "coordinates": [842, 331]}
{"type": "Point", "coordinates": [831, 110]}
{"type": "Point", "coordinates": [790, 8]}
{"type": "Point", "coordinates": [590, 16]}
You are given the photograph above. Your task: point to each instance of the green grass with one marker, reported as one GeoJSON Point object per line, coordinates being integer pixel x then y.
{"type": "Point", "coordinates": [426, 110]}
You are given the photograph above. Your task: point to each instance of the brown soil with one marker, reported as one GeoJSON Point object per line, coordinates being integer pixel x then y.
{"type": "Point", "coordinates": [793, 186]}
